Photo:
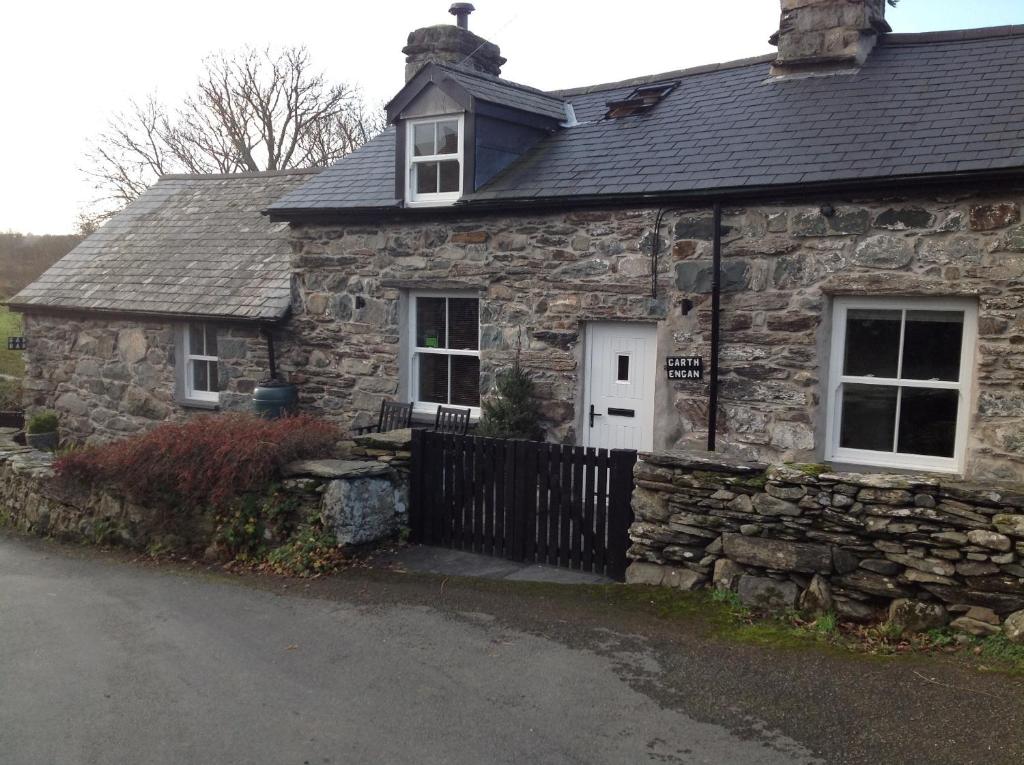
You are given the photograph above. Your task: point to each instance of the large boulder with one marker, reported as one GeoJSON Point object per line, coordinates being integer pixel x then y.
{"type": "Point", "coordinates": [727, 574]}
{"type": "Point", "coordinates": [1013, 627]}
{"type": "Point", "coordinates": [907, 615]}
{"type": "Point", "coordinates": [363, 510]}
{"type": "Point", "coordinates": [778, 554]}
{"type": "Point", "coordinates": [764, 594]}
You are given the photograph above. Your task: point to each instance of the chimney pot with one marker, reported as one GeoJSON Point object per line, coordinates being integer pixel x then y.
{"type": "Point", "coordinates": [461, 13]}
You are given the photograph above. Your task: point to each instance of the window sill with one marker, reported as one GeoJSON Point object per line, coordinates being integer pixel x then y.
{"type": "Point", "coordinates": [867, 465]}
{"type": "Point", "coordinates": [427, 412]}
{"type": "Point", "coordinates": [195, 403]}
{"type": "Point", "coordinates": [442, 202]}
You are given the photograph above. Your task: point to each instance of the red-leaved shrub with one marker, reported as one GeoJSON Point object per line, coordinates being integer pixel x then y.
{"type": "Point", "coordinates": [206, 461]}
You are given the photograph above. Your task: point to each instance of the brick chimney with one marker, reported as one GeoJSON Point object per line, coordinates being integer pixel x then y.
{"type": "Point", "coordinates": [826, 36]}
{"type": "Point", "coordinates": [451, 44]}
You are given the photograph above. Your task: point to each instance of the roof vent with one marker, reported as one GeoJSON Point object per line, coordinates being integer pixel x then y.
{"type": "Point", "coordinates": [641, 100]}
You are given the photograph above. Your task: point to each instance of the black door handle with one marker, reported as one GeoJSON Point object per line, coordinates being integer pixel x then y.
{"type": "Point", "coordinates": [593, 414]}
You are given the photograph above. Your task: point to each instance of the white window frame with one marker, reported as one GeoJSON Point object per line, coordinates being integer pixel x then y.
{"type": "Point", "coordinates": [429, 407]}
{"type": "Point", "coordinates": [963, 385]}
{"type": "Point", "coordinates": [435, 199]}
{"type": "Point", "coordinates": [190, 389]}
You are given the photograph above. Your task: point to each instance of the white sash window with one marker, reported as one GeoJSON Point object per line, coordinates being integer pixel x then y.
{"type": "Point", "coordinates": [900, 386]}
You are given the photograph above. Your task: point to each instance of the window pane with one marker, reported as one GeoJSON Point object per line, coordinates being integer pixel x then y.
{"type": "Point", "coordinates": [211, 340]}
{"type": "Point", "coordinates": [449, 176]}
{"type": "Point", "coordinates": [213, 376]}
{"type": "Point", "coordinates": [464, 323]}
{"type": "Point", "coordinates": [200, 376]}
{"type": "Point", "coordinates": [928, 422]}
{"type": "Point", "coordinates": [195, 340]}
{"type": "Point", "coordinates": [433, 376]}
{"type": "Point", "coordinates": [423, 140]}
{"type": "Point", "coordinates": [931, 345]}
{"type": "Point", "coordinates": [872, 342]}
{"type": "Point", "coordinates": [448, 137]}
{"type": "Point", "coordinates": [869, 417]}
{"type": "Point", "coordinates": [430, 323]}
{"type": "Point", "coordinates": [623, 370]}
{"type": "Point", "coordinates": [426, 178]}
{"type": "Point", "coordinates": [465, 380]}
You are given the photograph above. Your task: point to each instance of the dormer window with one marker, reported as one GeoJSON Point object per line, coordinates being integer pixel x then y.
{"type": "Point", "coordinates": [434, 161]}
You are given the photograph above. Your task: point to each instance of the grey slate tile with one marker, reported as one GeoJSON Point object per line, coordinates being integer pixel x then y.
{"type": "Point", "coordinates": [189, 244]}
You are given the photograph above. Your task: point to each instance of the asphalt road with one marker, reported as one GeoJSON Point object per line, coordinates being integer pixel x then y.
{"type": "Point", "coordinates": [106, 661]}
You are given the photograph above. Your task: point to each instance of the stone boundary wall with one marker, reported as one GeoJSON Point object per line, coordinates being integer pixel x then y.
{"type": "Point", "coordinates": [792, 536]}
{"type": "Point", "coordinates": [361, 500]}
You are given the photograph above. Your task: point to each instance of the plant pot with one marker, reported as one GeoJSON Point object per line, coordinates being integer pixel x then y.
{"type": "Point", "coordinates": [44, 442]}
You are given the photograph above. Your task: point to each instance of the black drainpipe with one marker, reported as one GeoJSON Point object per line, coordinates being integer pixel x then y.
{"type": "Point", "coordinates": [271, 360]}
{"type": "Point", "coordinates": [716, 300]}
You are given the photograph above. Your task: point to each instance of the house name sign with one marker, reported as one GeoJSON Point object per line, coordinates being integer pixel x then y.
{"type": "Point", "coordinates": [684, 367]}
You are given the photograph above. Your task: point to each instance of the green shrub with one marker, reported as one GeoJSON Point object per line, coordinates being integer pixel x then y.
{"type": "Point", "coordinates": [513, 412]}
{"type": "Point", "coordinates": [204, 462]}
{"type": "Point", "coordinates": [43, 422]}
{"type": "Point", "coordinates": [310, 551]}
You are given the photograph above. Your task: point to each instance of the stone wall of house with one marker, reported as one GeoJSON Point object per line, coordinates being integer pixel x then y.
{"type": "Point", "coordinates": [795, 535]}
{"type": "Point", "coordinates": [548, 274]}
{"type": "Point", "coordinates": [109, 378]}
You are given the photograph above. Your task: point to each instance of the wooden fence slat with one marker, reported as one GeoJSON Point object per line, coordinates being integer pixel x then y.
{"type": "Point", "coordinates": [508, 525]}
{"type": "Point", "coordinates": [620, 513]}
{"type": "Point", "coordinates": [531, 453]}
{"type": "Point", "coordinates": [565, 509]}
{"type": "Point", "coordinates": [415, 483]}
{"type": "Point", "coordinates": [601, 512]}
{"type": "Point", "coordinates": [554, 479]}
{"type": "Point", "coordinates": [478, 495]}
{"type": "Point", "coordinates": [578, 456]}
{"type": "Point", "coordinates": [543, 484]}
{"type": "Point", "coordinates": [435, 458]}
{"type": "Point", "coordinates": [487, 489]}
{"type": "Point", "coordinates": [589, 477]}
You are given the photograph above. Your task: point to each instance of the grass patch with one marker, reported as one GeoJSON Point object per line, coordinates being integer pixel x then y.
{"type": "Point", "coordinates": [11, 362]}
{"type": "Point", "coordinates": [999, 650]}
{"type": "Point", "coordinates": [723, 616]}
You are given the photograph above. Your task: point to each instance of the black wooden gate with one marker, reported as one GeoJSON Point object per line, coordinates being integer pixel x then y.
{"type": "Point", "coordinates": [567, 506]}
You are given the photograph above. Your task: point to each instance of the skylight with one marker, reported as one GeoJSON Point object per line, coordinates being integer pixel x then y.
{"type": "Point", "coordinates": [642, 99]}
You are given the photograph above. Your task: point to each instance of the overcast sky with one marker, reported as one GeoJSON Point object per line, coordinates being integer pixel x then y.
{"type": "Point", "coordinates": [67, 66]}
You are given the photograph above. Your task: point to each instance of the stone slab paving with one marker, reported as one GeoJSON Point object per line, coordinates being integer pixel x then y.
{"type": "Point", "coordinates": [440, 560]}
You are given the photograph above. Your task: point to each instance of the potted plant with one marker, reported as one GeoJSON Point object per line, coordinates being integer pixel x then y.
{"type": "Point", "coordinates": [42, 431]}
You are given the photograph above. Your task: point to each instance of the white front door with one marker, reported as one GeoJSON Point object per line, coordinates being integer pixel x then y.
{"type": "Point", "coordinates": [618, 389]}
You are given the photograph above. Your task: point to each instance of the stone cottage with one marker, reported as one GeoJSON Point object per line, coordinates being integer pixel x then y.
{"type": "Point", "coordinates": [815, 255]}
{"type": "Point", "coordinates": [165, 310]}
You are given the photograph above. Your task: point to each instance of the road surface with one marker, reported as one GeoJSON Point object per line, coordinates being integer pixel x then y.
{"type": "Point", "coordinates": [107, 661]}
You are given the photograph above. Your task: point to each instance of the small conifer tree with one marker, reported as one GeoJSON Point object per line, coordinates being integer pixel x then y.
{"type": "Point", "coordinates": [513, 412]}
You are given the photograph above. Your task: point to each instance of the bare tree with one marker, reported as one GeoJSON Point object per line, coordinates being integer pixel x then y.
{"type": "Point", "coordinates": [250, 111]}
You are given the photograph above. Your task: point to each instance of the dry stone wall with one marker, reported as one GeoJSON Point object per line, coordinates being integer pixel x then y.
{"type": "Point", "coordinates": [361, 500]}
{"type": "Point", "coordinates": [789, 536]}
{"type": "Point", "coordinates": [110, 378]}
{"type": "Point", "coordinates": [549, 274]}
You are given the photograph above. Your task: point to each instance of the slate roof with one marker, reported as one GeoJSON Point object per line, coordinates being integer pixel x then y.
{"type": "Point", "coordinates": [190, 245]}
{"type": "Point", "coordinates": [511, 94]}
{"type": "Point", "coordinates": [922, 105]}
